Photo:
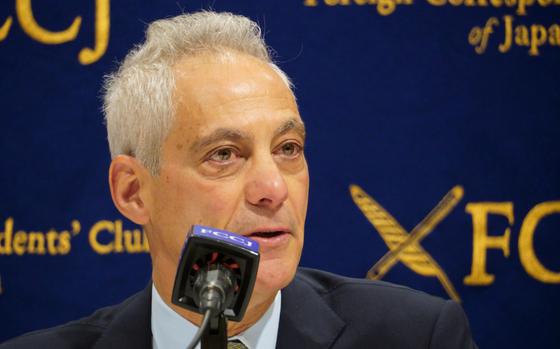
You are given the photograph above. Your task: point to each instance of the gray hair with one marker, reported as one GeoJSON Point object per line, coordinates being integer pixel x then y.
{"type": "Point", "coordinates": [138, 103]}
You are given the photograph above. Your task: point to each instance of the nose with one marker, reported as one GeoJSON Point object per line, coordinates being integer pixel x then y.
{"type": "Point", "coordinates": [266, 186]}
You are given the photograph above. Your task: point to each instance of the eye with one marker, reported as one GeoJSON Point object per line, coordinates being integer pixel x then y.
{"type": "Point", "coordinates": [290, 149]}
{"type": "Point", "coordinates": [222, 155]}
{"type": "Point", "coordinates": [222, 161]}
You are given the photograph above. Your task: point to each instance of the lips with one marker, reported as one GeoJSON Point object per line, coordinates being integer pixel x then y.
{"type": "Point", "coordinates": [272, 237]}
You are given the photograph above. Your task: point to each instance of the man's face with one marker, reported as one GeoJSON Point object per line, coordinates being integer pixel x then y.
{"type": "Point", "coordinates": [233, 160]}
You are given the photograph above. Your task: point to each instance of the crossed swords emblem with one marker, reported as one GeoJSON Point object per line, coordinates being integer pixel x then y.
{"type": "Point", "coordinates": [403, 246]}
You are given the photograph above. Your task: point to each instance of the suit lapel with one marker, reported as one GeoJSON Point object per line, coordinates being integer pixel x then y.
{"type": "Point", "coordinates": [131, 327]}
{"type": "Point", "coordinates": [306, 320]}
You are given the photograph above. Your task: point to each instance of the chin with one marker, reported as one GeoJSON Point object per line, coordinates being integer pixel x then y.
{"type": "Point", "coordinates": [273, 275]}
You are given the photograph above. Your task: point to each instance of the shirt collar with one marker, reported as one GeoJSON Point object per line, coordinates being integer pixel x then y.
{"type": "Point", "coordinates": [171, 331]}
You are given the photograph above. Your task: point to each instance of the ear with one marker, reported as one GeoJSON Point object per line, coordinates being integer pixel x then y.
{"type": "Point", "coordinates": [128, 180]}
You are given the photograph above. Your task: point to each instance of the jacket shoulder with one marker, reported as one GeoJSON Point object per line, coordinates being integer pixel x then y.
{"type": "Point", "coordinates": [339, 288]}
{"type": "Point", "coordinates": [81, 333]}
{"type": "Point", "coordinates": [387, 313]}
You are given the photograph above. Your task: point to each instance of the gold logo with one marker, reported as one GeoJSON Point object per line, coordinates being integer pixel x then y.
{"type": "Point", "coordinates": [33, 29]}
{"type": "Point", "coordinates": [403, 246]}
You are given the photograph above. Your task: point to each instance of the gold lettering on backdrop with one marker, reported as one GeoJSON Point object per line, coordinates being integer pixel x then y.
{"type": "Point", "coordinates": [30, 26]}
{"type": "Point", "coordinates": [533, 36]}
{"type": "Point", "coordinates": [521, 8]}
{"type": "Point", "coordinates": [482, 241]}
{"type": "Point", "coordinates": [36, 242]}
{"type": "Point", "coordinates": [5, 28]}
{"type": "Point", "coordinates": [437, 2]}
{"type": "Point", "coordinates": [521, 36]}
{"type": "Point", "coordinates": [554, 35]}
{"type": "Point", "coordinates": [135, 242]}
{"type": "Point", "coordinates": [6, 236]}
{"type": "Point", "coordinates": [538, 38]}
{"type": "Point", "coordinates": [506, 45]}
{"type": "Point", "coordinates": [405, 246]}
{"type": "Point", "coordinates": [520, 5]}
{"type": "Point", "coordinates": [383, 7]}
{"type": "Point", "coordinates": [527, 253]}
{"type": "Point", "coordinates": [20, 240]}
{"type": "Point", "coordinates": [479, 37]}
{"type": "Point", "coordinates": [97, 228]}
{"type": "Point", "coordinates": [102, 27]}
{"type": "Point", "coordinates": [104, 237]}
{"type": "Point", "coordinates": [87, 55]}
{"type": "Point", "coordinates": [118, 240]}
{"type": "Point", "coordinates": [59, 243]}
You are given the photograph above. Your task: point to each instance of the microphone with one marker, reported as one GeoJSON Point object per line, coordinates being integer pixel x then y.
{"type": "Point", "coordinates": [215, 277]}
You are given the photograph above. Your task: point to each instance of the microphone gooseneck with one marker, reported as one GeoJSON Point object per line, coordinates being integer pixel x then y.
{"type": "Point", "coordinates": [201, 329]}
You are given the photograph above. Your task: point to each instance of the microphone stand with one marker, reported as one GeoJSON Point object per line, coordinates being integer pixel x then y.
{"type": "Point", "coordinates": [215, 334]}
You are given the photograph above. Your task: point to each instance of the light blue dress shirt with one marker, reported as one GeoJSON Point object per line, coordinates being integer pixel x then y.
{"type": "Point", "coordinates": [171, 331]}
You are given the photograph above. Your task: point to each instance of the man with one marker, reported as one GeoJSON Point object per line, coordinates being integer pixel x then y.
{"type": "Point", "coordinates": [204, 129]}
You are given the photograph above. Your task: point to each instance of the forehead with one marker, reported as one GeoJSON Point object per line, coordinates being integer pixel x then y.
{"type": "Point", "coordinates": [212, 86]}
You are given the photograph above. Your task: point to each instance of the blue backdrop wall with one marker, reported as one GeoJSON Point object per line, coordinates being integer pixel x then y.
{"type": "Point", "coordinates": [406, 102]}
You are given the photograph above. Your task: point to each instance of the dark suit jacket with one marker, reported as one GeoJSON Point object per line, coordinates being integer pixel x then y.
{"type": "Point", "coordinates": [319, 310]}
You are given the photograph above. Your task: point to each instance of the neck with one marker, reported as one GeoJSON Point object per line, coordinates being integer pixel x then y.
{"type": "Point", "coordinates": [258, 305]}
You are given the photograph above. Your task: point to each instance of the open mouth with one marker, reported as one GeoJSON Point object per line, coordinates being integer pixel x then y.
{"type": "Point", "coordinates": [266, 234]}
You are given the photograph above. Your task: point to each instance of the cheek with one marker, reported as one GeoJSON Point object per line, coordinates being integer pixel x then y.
{"type": "Point", "coordinates": [201, 201]}
{"type": "Point", "coordinates": [216, 198]}
{"type": "Point", "coordinates": [299, 192]}
{"type": "Point", "coordinates": [219, 199]}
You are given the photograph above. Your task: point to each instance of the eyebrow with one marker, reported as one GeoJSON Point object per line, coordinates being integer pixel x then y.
{"type": "Point", "coordinates": [230, 134]}
{"type": "Point", "coordinates": [219, 135]}
{"type": "Point", "coordinates": [292, 124]}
